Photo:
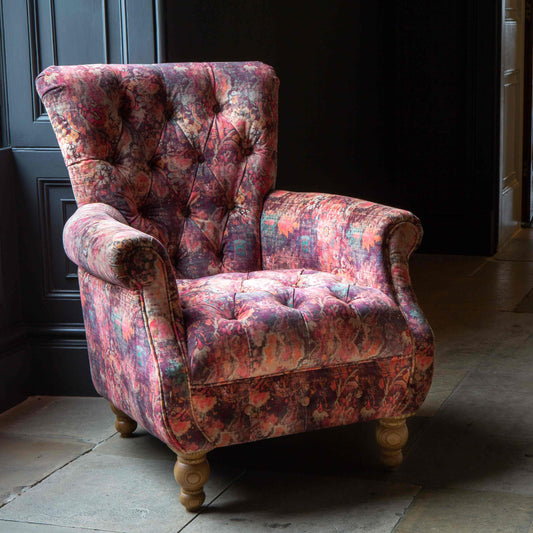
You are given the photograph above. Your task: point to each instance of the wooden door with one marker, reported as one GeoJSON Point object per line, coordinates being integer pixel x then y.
{"type": "Point", "coordinates": [511, 111]}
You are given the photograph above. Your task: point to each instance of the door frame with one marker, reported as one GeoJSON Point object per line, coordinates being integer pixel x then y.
{"type": "Point", "coordinates": [527, 155]}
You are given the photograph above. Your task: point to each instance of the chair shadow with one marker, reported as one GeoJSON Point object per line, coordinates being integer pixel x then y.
{"type": "Point", "coordinates": [339, 467]}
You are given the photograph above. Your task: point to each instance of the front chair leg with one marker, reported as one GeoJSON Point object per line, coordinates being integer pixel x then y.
{"type": "Point", "coordinates": [192, 472]}
{"type": "Point", "coordinates": [123, 424]}
{"type": "Point", "coordinates": [391, 434]}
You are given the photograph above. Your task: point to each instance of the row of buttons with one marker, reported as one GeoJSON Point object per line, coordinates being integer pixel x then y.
{"type": "Point", "coordinates": [187, 210]}
{"type": "Point", "coordinates": [200, 158]}
{"type": "Point", "coordinates": [169, 113]}
{"type": "Point", "coordinates": [246, 152]}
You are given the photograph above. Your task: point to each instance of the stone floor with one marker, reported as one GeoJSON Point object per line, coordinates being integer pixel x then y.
{"type": "Point", "coordinates": [469, 464]}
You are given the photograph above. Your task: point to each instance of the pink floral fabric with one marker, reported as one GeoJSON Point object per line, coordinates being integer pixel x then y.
{"type": "Point", "coordinates": [271, 406]}
{"type": "Point", "coordinates": [219, 311]}
{"type": "Point", "coordinates": [257, 324]}
{"type": "Point", "coordinates": [361, 242]}
{"type": "Point", "coordinates": [185, 152]}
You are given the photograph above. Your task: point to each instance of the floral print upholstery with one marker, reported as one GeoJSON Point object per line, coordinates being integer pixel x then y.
{"type": "Point", "coordinates": [360, 242]}
{"type": "Point", "coordinates": [218, 310]}
{"type": "Point", "coordinates": [185, 152]}
{"type": "Point", "coordinates": [251, 325]}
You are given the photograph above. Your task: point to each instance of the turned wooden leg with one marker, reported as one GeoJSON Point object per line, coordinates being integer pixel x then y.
{"type": "Point", "coordinates": [391, 434]}
{"type": "Point", "coordinates": [123, 424]}
{"type": "Point", "coordinates": [192, 472]}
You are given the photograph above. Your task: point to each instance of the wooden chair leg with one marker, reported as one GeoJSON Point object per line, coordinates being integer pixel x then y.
{"type": "Point", "coordinates": [391, 434]}
{"type": "Point", "coordinates": [192, 472]}
{"type": "Point", "coordinates": [123, 424]}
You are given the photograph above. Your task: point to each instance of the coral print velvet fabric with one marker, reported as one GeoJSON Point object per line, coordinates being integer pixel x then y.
{"type": "Point", "coordinates": [219, 310]}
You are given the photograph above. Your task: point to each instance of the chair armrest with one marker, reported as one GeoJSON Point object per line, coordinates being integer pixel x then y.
{"type": "Point", "coordinates": [115, 259]}
{"type": "Point", "coordinates": [357, 240]}
{"type": "Point", "coordinates": [98, 239]}
{"type": "Point", "coordinates": [362, 242]}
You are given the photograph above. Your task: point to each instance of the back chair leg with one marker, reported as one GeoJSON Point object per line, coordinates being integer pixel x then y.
{"type": "Point", "coordinates": [192, 472]}
{"type": "Point", "coordinates": [391, 434]}
{"type": "Point", "coordinates": [123, 424]}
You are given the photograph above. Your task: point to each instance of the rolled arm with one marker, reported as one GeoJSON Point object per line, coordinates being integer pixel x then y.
{"type": "Point", "coordinates": [358, 240]}
{"type": "Point", "coordinates": [98, 239]}
{"type": "Point", "coordinates": [115, 259]}
{"type": "Point", "coordinates": [363, 243]}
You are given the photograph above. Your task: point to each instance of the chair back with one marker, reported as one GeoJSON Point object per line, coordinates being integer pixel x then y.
{"type": "Point", "coordinates": [186, 152]}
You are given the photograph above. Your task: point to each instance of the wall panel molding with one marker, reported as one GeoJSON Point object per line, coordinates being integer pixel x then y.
{"type": "Point", "coordinates": [56, 205]}
{"type": "Point", "coordinates": [45, 201]}
{"type": "Point", "coordinates": [39, 33]}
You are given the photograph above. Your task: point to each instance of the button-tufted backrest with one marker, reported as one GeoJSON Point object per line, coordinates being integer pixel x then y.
{"type": "Point", "coordinates": [186, 152]}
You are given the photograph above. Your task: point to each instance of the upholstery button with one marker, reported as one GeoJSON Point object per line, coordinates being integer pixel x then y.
{"type": "Point", "coordinates": [247, 151]}
{"type": "Point", "coordinates": [216, 108]}
{"type": "Point", "coordinates": [305, 401]}
{"type": "Point", "coordinates": [231, 205]}
{"type": "Point", "coordinates": [248, 410]}
{"type": "Point", "coordinates": [201, 158]}
{"type": "Point", "coordinates": [123, 111]}
{"type": "Point", "coordinates": [187, 211]}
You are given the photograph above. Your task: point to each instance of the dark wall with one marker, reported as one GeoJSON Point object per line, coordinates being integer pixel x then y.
{"type": "Point", "coordinates": [43, 349]}
{"type": "Point", "coordinates": [391, 100]}
{"type": "Point", "coordinates": [14, 362]}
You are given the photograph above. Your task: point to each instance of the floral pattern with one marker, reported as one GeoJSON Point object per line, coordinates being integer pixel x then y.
{"type": "Point", "coordinates": [219, 311]}
{"type": "Point", "coordinates": [252, 325]}
{"type": "Point", "coordinates": [361, 242]}
{"type": "Point", "coordinates": [185, 152]}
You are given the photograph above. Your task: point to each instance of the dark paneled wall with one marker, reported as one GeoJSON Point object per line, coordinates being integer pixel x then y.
{"type": "Point", "coordinates": [49, 353]}
{"type": "Point", "coordinates": [391, 100]}
{"type": "Point", "coordinates": [14, 360]}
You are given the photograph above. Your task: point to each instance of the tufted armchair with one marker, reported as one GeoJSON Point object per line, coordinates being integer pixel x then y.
{"type": "Point", "coordinates": [218, 310]}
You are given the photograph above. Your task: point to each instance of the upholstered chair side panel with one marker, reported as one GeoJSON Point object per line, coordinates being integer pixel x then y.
{"type": "Point", "coordinates": [331, 233]}
{"type": "Point", "coordinates": [135, 363]}
{"type": "Point", "coordinates": [403, 239]}
{"type": "Point", "coordinates": [133, 321]}
{"type": "Point", "coordinates": [295, 402]}
{"type": "Point", "coordinates": [123, 366]}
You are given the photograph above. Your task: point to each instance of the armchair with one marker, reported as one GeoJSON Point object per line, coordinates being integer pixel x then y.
{"type": "Point", "coordinates": [219, 310]}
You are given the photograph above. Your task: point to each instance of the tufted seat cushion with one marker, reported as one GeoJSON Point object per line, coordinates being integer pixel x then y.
{"type": "Point", "coordinates": [249, 325]}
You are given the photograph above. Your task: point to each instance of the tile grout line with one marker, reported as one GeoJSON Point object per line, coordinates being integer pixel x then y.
{"type": "Point", "coordinates": [60, 526]}
{"type": "Point", "coordinates": [50, 436]}
{"type": "Point", "coordinates": [231, 483]}
{"type": "Point", "coordinates": [441, 406]}
{"type": "Point", "coordinates": [406, 510]}
{"type": "Point", "coordinates": [479, 268]}
{"type": "Point", "coordinates": [29, 487]}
